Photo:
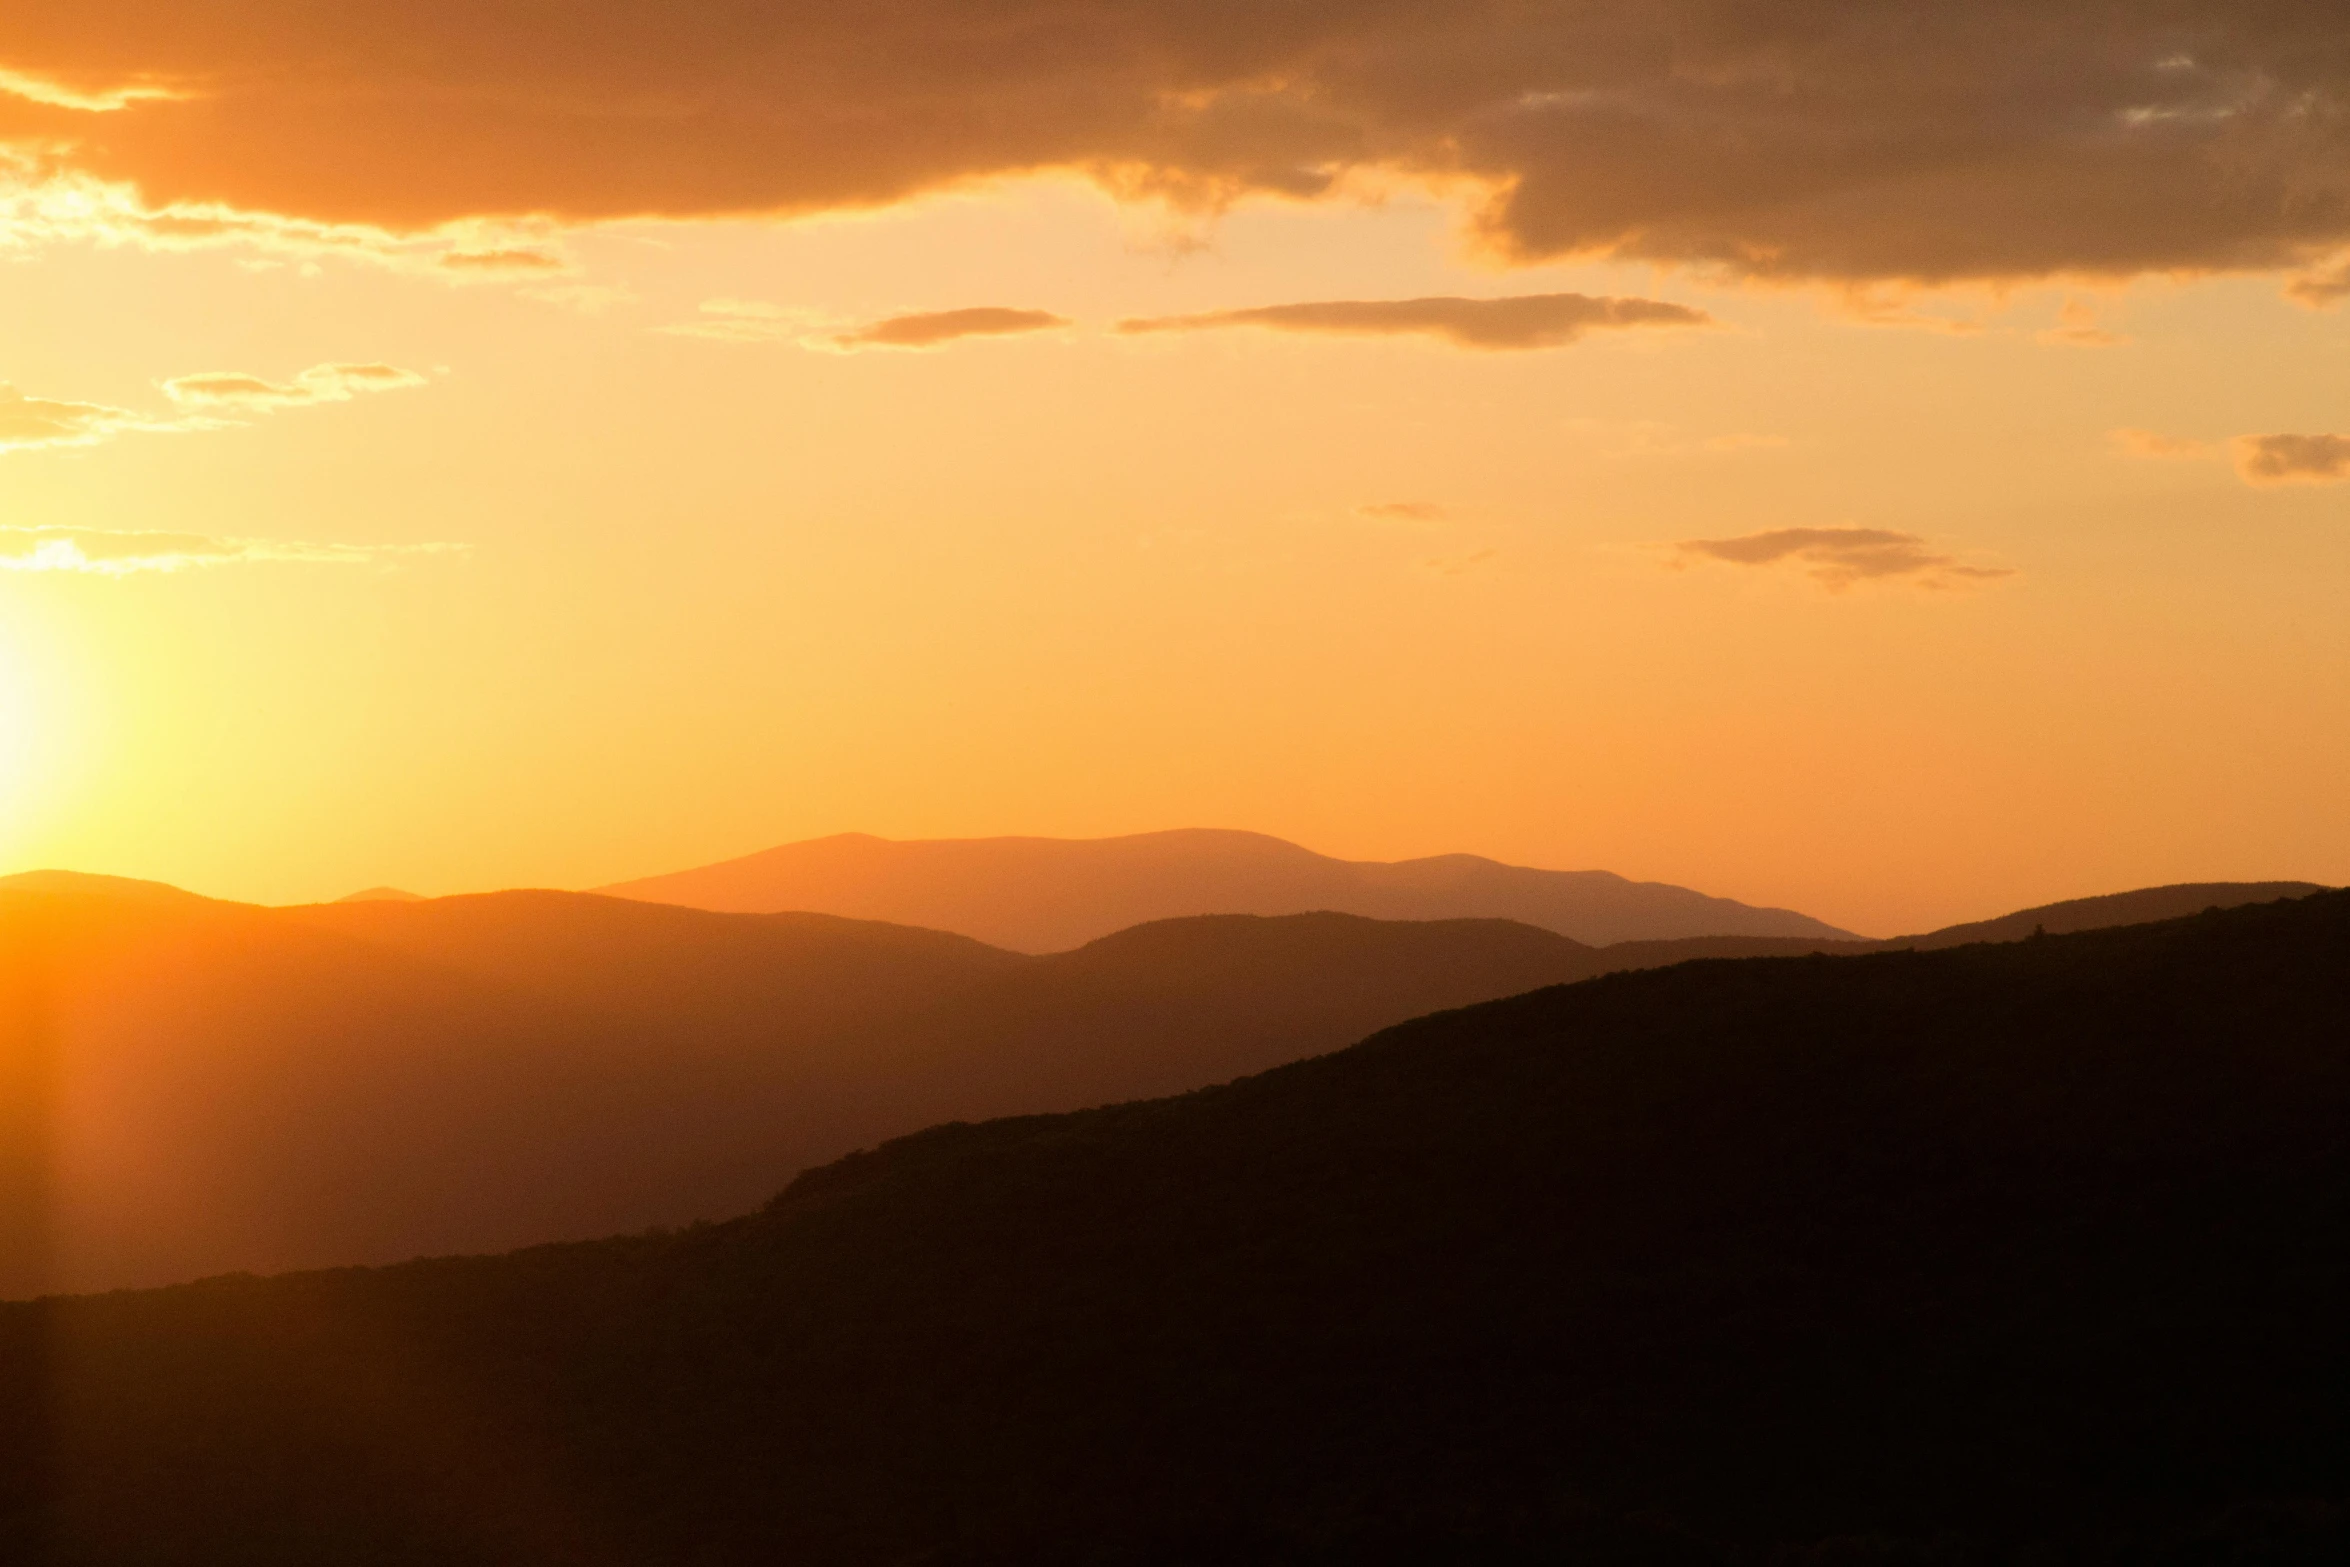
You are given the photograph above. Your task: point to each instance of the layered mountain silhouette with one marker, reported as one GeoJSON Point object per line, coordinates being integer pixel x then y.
{"type": "Point", "coordinates": [1049, 894]}
{"type": "Point", "coordinates": [2034, 1252]}
{"type": "Point", "coordinates": [197, 1087]}
{"type": "Point", "coordinates": [201, 1086]}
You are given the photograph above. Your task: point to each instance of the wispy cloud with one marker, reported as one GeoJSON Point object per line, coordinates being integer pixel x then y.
{"type": "Point", "coordinates": [1647, 438]}
{"type": "Point", "coordinates": [42, 204]}
{"type": "Point", "coordinates": [109, 553]}
{"type": "Point", "coordinates": [329, 383]}
{"type": "Point", "coordinates": [1841, 558]}
{"type": "Point", "coordinates": [84, 100]}
{"type": "Point", "coordinates": [2263, 461]}
{"type": "Point", "coordinates": [1414, 513]}
{"type": "Point", "coordinates": [589, 299]}
{"type": "Point", "coordinates": [30, 423]}
{"type": "Point", "coordinates": [1459, 565]}
{"type": "Point", "coordinates": [749, 321]}
{"type": "Point", "coordinates": [1522, 321]}
{"type": "Point", "coordinates": [2077, 327]}
{"type": "Point", "coordinates": [755, 321]}
{"type": "Point", "coordinates": [2152, 443]}
{"type": "Point", "coordinates": [2293, 459]}
{"type": "Point", "coordinates": [929, 329]}
{"type": "Point", "coordinates": [527, 263]}
{"type": "Point", "coordinates": [2322, 288]}
{"type": "Point", "coordinates": [1894, 304]}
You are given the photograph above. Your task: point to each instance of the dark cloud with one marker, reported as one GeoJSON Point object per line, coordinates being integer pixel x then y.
{"type": "Point", "coordinates": [1839, 558]}
{"type": "Point", "coordinates": [1924, 140]}
{"type": "Point", "coordinates": [1522, 321]}
{"type": "Point", "coordinates": [2293, 459]}
{"type": "Point", "coordinates": [930, 329]}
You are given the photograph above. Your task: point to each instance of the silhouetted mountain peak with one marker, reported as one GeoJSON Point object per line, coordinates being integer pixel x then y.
{"type": "Point", "coordinates": [1053, 894]}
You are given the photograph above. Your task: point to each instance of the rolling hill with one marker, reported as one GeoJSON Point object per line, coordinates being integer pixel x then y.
{"type": "Point", "coordinates": [2022, 1253]}
{"type": "Point", "coordinates": [197, 1087]}
{"type": "Point", "coordinates": [1049, 894]}
{"type": "Point", "coordinates": [2141, 907]}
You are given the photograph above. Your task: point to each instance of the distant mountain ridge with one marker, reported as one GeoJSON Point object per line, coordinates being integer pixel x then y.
{"type": "Point", "coordinates": [1052, 894]}
{"type": "Point", "coordinates": [381, 895]}
{"type": "Point", "coordinates": [189, 1086]}
{"type": "Point", "coordinates": [193, 1086]}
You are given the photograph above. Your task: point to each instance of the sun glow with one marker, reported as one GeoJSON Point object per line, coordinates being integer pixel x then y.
{"type": "Point", "coordinates": [16, 730]}
{"type": "Point", "coordinates": [34, 738]}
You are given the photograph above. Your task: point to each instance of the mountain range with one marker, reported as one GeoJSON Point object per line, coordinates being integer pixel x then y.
{"type": "Point", "coordinates": [1049, 894]}
{"type": "Point", "coordinates": [197, 1087]}
{"type": "Point", "coordinates": [2033, 1252]}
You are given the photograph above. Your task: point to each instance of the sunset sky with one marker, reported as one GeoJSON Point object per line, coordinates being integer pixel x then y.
{"type": "Point", "coordinates": [1891, 461]}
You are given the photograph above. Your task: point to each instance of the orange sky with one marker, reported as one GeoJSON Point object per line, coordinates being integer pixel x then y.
{"type": "Point", "coordinates": [1888, 471]}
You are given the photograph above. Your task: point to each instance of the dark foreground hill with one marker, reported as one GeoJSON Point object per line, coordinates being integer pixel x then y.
{"type": "Point", "coordinates": [1047, 894]}
{"type": "Point", "coordinates": [2140, 907]}
{"type": "Point", "coordinates": [2035, 1253]}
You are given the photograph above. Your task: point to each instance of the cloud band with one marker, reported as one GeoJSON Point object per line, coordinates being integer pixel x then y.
{"type": "Point", "coordinates": [1841, 558]}
{"type": "Point", "coordinates": [1519, 322]}
{"type": "Point", "coordinates": [1914, 139]}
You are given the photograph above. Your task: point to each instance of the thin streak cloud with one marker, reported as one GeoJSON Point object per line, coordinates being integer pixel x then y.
{"type": "Point", "coordinates": [329, 383]}
{"type": "Point", "coordinates": [528, 263]}
{"type": "Point", "coordinates": [1412, 513]}
{"type": "Point", "coordinates": [110, 553]}
{"type": "Point", "coordinates": [43, 205]}
{"type": "Point", "coordinates": [1842, 558]}
{"type": "Point", "coordinates": [31, 423]}
{"type": "Point", "coordinates": [103, 100]}
{"type": "Point", "coordinates": [755, 321]}
{"type": "Point", "coordinates": [2154, 444]}
{"type": "Point", "coordinates": [2077, 326]}
{"type": "Point", "coordinates": [1524, 321]}
{"type": "Point", "coordinates": [932, 328]}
